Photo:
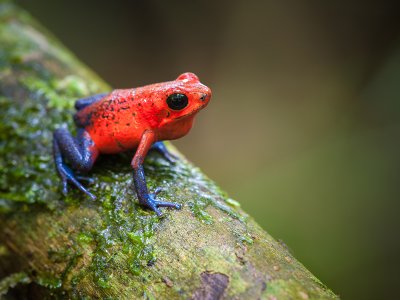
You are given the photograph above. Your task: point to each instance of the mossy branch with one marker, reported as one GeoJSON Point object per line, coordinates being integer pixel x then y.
{"type": "Point", "coordinates": [112, 248]}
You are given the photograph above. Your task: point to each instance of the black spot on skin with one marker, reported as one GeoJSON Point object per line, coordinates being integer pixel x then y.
{"type": "Point", "coordinates": [128, 124]}
{"type": "Point", "coordinates": [107, 105]}
{"type": "Point", "coordinates": [168, 114]}
{"type": "Point", "coordinates": [107, 115]}
{"type": "Point", "coordinates": [213, 286]}
{"type": "Point", "coordinates": [121, 100]}
{"type": "Point", "coordinates": [134, 114]}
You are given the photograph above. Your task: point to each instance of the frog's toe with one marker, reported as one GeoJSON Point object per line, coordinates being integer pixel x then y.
{"type": "Point", "coordinates": [158, 203]}
{"type": "Point", "coordinates": [151, 204]}
{"type": "Point", "coordinates": [157, 211]}
{"type": "Point", "coordinates": [82, 188]}
{"type": "Point", "coordinates": [167, 204]}
{"type": "Point", "coordinates": [67, 175]}
{"type": "Point", "coordinates": [157, 191]}
{"type": "Point", "coordinates": [89, 180]}
{"type": "Point", "coordinates": [154, 204]}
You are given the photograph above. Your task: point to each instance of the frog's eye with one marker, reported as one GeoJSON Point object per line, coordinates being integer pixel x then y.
{"type": "Point", "coordinates": [177, 101]}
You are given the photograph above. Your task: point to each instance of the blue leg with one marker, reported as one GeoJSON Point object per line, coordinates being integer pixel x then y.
{"type": "Point", "coordinates": [160, 148]}
{"type": "Point", "coordinates": [82, 103]}
{"type": "Point", "coordinates": [149, 199]}
{"type": "Point", "coordinates": [145, 198]}
{"type": "Point", "coordinates": [80, 152]}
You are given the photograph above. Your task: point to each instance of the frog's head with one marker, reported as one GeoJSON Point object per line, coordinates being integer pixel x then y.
{"type": "Point", "coordinates": [182, 99]}
{"type": "Point", "coordinates": [186, 96]}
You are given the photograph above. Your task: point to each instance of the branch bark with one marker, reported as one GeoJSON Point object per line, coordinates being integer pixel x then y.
{"type": "Point", "coordinates": [76, 248]}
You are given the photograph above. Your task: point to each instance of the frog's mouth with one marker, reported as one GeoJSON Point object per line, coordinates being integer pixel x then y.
{"type": "Point", "coordinates": [193, 112]}
{"type": "Point", "coordinates": [187, 115]}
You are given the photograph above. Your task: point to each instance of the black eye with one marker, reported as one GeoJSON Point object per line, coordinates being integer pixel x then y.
{"type": "Point", "coordinates": [177, 101]}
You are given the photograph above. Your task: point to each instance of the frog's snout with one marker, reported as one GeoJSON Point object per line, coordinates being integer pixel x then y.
{"type": "Point", "coordinates": [205, 94]}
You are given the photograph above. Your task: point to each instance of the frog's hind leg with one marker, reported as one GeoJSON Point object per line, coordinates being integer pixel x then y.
{"type": "Point", "coordinates": [82, 103]}
{"type": "Point", "coordinates": [81, 152]}
{"type": "Point", "coordinates": [162, 149]}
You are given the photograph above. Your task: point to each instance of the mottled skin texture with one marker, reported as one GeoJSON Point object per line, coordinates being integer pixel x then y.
{"type": "Point", "coordinates": [128, 119]}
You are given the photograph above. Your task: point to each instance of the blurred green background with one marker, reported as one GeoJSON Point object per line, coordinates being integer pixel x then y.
{"type": "Point", "coordinates": [304, 125]}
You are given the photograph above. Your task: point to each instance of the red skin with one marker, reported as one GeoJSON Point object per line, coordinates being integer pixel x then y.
{"type": "Point", "coordinates": [118, 122]}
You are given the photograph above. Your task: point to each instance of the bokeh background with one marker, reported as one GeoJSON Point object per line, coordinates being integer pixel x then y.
{"type": "Point", "coordinates": [304, 125]}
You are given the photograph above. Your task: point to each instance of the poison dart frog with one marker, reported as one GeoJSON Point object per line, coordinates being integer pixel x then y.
{"type": "Point", "coordinates": [127, 119]}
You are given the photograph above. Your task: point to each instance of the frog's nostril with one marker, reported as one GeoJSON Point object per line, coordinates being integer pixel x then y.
{"type": "Point", "coordinates": [203, 97]}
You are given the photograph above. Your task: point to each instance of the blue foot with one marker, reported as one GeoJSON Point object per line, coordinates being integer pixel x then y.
{"type": "Point", "coordinates": [66, 175]}
{"type": "Point", "coordinates": [153, 204]}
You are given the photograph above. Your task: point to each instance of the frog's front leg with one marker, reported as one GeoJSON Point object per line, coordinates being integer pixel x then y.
{"type": "Point", "coordinates": [146, 199]}
{"type": "Point", "coordinates": [81, 152]}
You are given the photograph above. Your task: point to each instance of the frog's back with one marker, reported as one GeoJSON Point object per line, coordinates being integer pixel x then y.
{"type": "Point", "coordinates": [112, 122]}
{"type": "Point", "coordinates": [89, 110]}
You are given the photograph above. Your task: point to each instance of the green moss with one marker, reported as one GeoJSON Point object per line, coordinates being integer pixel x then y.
{"type": "Point", "coordinates": [84, 238]}
{"type": "Point", "coordinates": [72, 86]}
{"type": "Point", "coordinates": [198, 210]}
{"type": "Point", "coordinates": [11, 281]}
{"type": "Point", "coordinates": [238, 285]}
{"type": "Point", "coordinates": [134, 238]}
{"type": "Point", "coordinates": [25, 178]}
{"type": "Point", "coordinates": [124, 238]}
{"type": "Point", "coordinates": [60, 255]}
{"type": "Point", "coordinates": [27, 127]}
{"type": "Point", "coordinates": [102, 281]}
{"type": "Point", "coordinates": [290, 289]}
{"type": "Point", "coordinates": [47, 89]}
{"type": "Point", "coordinates": [232, 202]}
{"type": "Point", "coordinates": [49, 281]}
{"type": "Point", "coordinates": [246, 239]}
{"type": "Point", "coordinates": [60, 94]}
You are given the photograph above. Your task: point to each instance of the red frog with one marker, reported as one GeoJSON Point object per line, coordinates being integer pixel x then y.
{"type": "Point", "coordinates": [139, 118]}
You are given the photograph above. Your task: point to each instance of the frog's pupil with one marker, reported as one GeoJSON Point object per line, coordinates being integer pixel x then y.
{"type": "Point", "coordinates": [177, 101]}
